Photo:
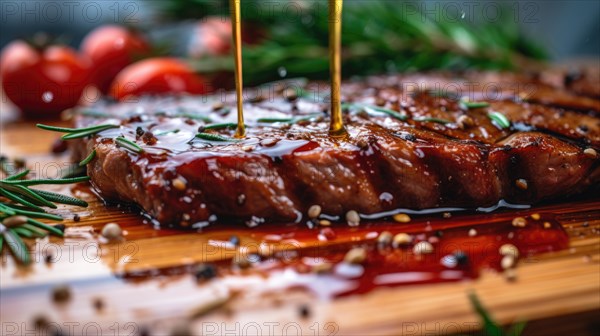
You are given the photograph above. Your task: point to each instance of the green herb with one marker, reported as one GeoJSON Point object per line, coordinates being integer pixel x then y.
{"type": "Point", "coordinates": [128, 144]}
{"type": "Point", "coordinates": [192, 116]}
{"type": "Point", "coordinates": [28, 202]}
{"type": "Point", "coordinates": [214, 137]}
{"type": "Point", "coordinates": [73, 170]}
{"type": "Point", "coordinates": [94, 114]}
{"type": "Point", "coordinates": [221, 126]}
{"type": "Point", "coordinates": [378, 37]}
{"type": "Point", "coordinates": [499, 119]}
{"type": "Point", "coordinates": [466, 104]}
{"type": "Point", "coordinates": [16, 245]}
{"type": "Point", "coordinates": [287, 120]}
{"type": "Point", "coordinates": [75, 133]}
{"type": "Point", "coordinates": [491, 327]}
{"type": "Point", "coordinates": [370, 109]}
{"type": "Point", "coordinates": [434, 120]}
{"type": "Point", "coordinates": [167, 132]}
{"type": "Point", "coordinates": [88, 158]}
{"type": "Point", "coordinates": [444, 94]}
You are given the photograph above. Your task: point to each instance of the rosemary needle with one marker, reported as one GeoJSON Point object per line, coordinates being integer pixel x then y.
{"type": "Point", "coordinates": [499, 119]}
{"type": "Point", "coordinates": [88, 158]}
{"type": "Point", "coordinates": [128, 144]}
{"type": "Point", "coordinates": [214, 137]}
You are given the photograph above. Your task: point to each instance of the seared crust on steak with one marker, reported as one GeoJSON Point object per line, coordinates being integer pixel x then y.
{"type": "Point", "coordinates": [442, 155]}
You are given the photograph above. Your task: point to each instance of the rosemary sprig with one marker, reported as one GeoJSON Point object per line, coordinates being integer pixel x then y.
{"type": "Point", "coordinates": [128, 144]}
{"type": "Point", "coordinates": [215, 137]}
{"type": "Point", "coordinates": [221, 126]}
{"type": "Point", "coordinates": [16, 244]}
{"type": "Point", "coordinates": [499, 119]}
{"type": "Point", "coordinates": [491, 327]}
{"type": "Point", "coordinates": [175, 131]}
{"type": "Point", "coordinates": [88, 158]}
{"type": "Point", "coordinates": [433, 120]}
{"type": "Point", "coordinates": [466, 104]}
{"type": "Point", "coordinates": [17, 218]}
{"type": "Point", "coordinates": [47, 181]}
{"type": "Point", "coordinates": [75, 133]}
{"type": "Point", "coordinates": [378, 37]}
{"type": "Point", "coordinates": [292, 120]}
{"type": "Point", "coordinates": [192, 116]}
{"type": "Point", "coordinates": [370, 109]}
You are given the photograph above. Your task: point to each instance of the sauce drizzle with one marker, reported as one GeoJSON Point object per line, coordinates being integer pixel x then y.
{"type": "Point", "coordinates": [236, 24]}
{"type": "Point", "coordinates": [336, 127]}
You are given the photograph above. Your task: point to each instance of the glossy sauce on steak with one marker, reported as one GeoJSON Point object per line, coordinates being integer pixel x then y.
{"type": "Point", "coordinates": [412, 145]}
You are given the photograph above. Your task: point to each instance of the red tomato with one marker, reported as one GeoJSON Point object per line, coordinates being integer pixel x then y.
{"type": "Point", "coordinates": [42, 83]}
{"type": "Point", "coordinates": [213, 37]}
{"type": "Point", "coordinates": [157, 76]}
{"type": "Point", "coordinates": [112, 48]}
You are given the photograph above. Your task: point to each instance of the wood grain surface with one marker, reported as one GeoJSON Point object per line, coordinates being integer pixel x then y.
{"type": "Point", "coordinates": [141, 284]}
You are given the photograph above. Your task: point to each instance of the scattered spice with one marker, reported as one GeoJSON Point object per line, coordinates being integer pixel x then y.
{"type": "Point", "coordinates": [241, 199]}
{"type": "Point", "coordinates": [322, 268]}
{"type": "Point", "coordinates": [112, 231]}
{"type": "Point", "coordinates": [241, 261]}
{"type": "Point", "coordinates": [385, 238]}
{"type": "Point", "coordinates": [509, 250]}
{"type": "Point", "coordinates": [98, 304]}
{"type": "Point", "coordinates": [464, 122]}
{"type": "Point", "coordinates": [48, 258]}
{"type": "Point", "coordinates": [76, 218]}
{"type": "Point", "coordinates": [461, 257]}
{"type": "Point", "coordinates": [41, 322]}
{"type": "Point", "coordinates": [269, 142]}
{"type": "Point", "coordinates": [519, 222]}
{"type": "Point", "coordinates": [521, 184]}
{"type": "Point", "coordinates": [401, 218]}
{"type": "Point", "coordinates": [234, 240]}
{"type": "Point", "coordinates": [536, 216]}
{"type": "Point", "coordinates": [179, 183]}
{"type": "Point", "coordinates": [423, 247]}
{"type": "Point", "coordinates": [356, 255]}
{"type": "Point", "coordinates": [61, 294]}
{"type": "Point", "coordinates": [60, 227]}
{"type": "Point", "coordinates": [217, 106]}
{"type": "Point", "coordinates": [205, 272]}
{"type": "Point", "coordinates": [591, 153]}
{"type": "Point", "coordinates": [13, 221]}
{"type": "Point", "coordinates": [352, 218]}
{"type": "Point", "coordinates": [472, 233]}
{"type": "Point", "coordinates": [507, 262]}
{"type": "Point", "coordinates": [402, 239]}
{"type": "Point", "coordinates": [314, 211]}
{"type": "Point", "coordinates": [304, 311]}
{"type": "Point", "coordinates": [324, 222]}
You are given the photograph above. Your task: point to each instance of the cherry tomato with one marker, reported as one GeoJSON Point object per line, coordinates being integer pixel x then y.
{"type": "Point", "coordinates": [110, 49]}
{"type": "Point", "coordinates": [157, 76]}
{"type": "Point", "coordinates": [42, 82]}
{"type": "Point", "coordinates": [213, 37]}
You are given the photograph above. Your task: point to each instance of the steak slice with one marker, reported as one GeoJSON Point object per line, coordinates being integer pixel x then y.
{"type": "Point", "coordinates": [406, 148]}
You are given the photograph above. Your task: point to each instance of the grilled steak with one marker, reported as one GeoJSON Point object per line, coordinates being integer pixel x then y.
{"type": "Point", "coordinates": [414, 143]}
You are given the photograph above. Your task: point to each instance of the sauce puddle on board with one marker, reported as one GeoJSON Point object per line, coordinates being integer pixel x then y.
{"type": "Point", "coordinates": [294, 256]}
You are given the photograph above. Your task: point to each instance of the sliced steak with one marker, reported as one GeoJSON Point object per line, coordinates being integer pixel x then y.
{"type": "Point", "coordinates": [430, 151]}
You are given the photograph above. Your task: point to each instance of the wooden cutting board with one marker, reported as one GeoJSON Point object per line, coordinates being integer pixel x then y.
{"type": "Point", "coordinates": [142, 283]}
